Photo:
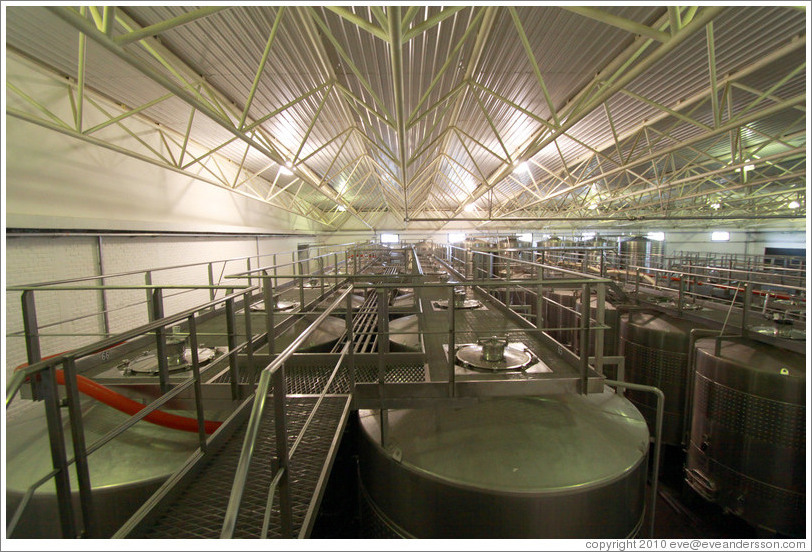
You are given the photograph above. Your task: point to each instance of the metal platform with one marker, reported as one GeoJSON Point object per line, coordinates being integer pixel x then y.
{"type": "Point", "coordinates": [201, 499]}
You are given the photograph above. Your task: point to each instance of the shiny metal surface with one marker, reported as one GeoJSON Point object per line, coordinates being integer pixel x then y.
{"type": "Point", "coordinates": [147, 363]}
{"type": "Point", "coordinates": [279, 305]}
{"type": "Point", "coordinates": [564, 466]}
{"type": "Point", "coordinates": [409, 341]}
{"type": "Point", "coordinates": [123, 473]}
{"type": "Point", "coordinates": [477, 356]}
{"type": "Point", "coordinates": [656, 349]}
{"type": "Point", "coordinates": [322, 339]}
{"type": "Point", "coordinates": [466, 304]}
{"type": "Point", "coordinates": [640, 251]}
{"type": "Point", "coordinates": [557, 316]}
{"type": "Point", "coordinates": [748, 432]}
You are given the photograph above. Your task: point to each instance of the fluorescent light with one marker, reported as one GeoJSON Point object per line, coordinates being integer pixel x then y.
{"type": "Point", "coordinates": [716, 206]}
{"type": "Point", "coordinates": [390, 238]}
{"type": "Point", "coordinates": [656, 236]}
{"type": "Point", "coordinates": [526, 237]}
{"type": "Point", "coordinates": [592, 206]}
{"type": "Point", "coordinates": [720, 236]}
{"type": "Point", "coordinates": [470, 207]}
{"type": "Point", "coordinates": [794, 204]}
{"type": "Point", "coordinates": [341, 208]}
{"type": "Point", "coordinates": [456, 237]}
{"type": "Point", "coordinates": [285, 171]}
{"type": "Point", "coordinates": [746, 168]}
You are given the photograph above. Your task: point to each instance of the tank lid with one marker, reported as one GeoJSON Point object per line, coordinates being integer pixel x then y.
{"type": "Point", "coordinates": [759, 357]}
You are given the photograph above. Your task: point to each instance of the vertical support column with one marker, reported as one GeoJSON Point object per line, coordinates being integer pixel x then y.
{"type": "Point", "coordinates": [351, 350]}
{"type": "Point", "coordinates": [600, 319]}
{"type": "Point", "coordinates": [248, 269]}
{"type": "Point", "coordinates": [31, 328]}
{"type": "Point", "coordinates": [148, 282]}
{"type": "Point", "coordinates": [160, 339]}
{"type": "Point", "coordinates": [211, 282]}
{"type": "Point", "coordinates": [746, 301]}
{"type": "Point", "coordinates": [383, 343]}
{"type": "Point", "coordinates": [267, 299]}
{"type": "Point", "coordinates": [540, 302]}
{"type": "Point", "coordinates": [79, 448]}
{"type": "Point", "coordinates": [231, 329]}
{"type": "Point", "coordinates": [56, 436]}
{"type": "Point", "coordinates": [201, 429]}
{"type": "Point", "coordinates": [282, 460]}
{"type": "Point", "coordinates": [102, 294]}
{"type": "Point", "coordinates": [452, 346]}
{"type": "Point", "coordinates": [249, 334]}
{"type": "Point", "coordinates": [585, 297]}
{"type": "Point", "coordinates": [681, 294]}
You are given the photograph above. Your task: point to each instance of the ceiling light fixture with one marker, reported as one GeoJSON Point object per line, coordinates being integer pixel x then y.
{"type": "Point", "coordinates": [592, 206]}
{"type": "Point", "coordinates": [794, 204]}
{"type": "Point", "coordinates": [285, 170]}
{"type": "Point", "coordinates": [470, 207]}
{"type": "Point", "coordinates": [716, 206]}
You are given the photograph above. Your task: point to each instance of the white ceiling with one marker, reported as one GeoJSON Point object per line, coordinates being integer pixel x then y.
{"type": "Point", "coordinates": [401, 117]}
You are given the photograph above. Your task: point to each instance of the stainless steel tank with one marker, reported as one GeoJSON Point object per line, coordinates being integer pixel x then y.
{"type": "Point", "coordinates": [640, 251]}
{"type": "Point", "coordinates": [408, 341]}
{"type": "Point", "coordinates": [748, 432]}
{"type": "Point", "coordinates": [656, 349]}
{"type": "Point", "coordinates": [123, 473]}
{"type": "Point", "coordinates": [556, 314]}
{"type": "Point", "coordinates": [564, 466]}
{"type": "Point", "coordinates": [321, 340]}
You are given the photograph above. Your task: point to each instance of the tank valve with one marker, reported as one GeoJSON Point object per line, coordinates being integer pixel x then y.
{"type": "Point", "coordinates": [493, 348]}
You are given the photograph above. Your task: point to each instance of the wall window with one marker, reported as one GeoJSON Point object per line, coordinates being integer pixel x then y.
{"type": "Point", "coordinates": [456, 237]}
{"type": "Point", "coordinates": [656, 236]}
{"type": "Point", "coordinates": [720, 236]}
{"type": "Point", "coordinates": [390, 238]}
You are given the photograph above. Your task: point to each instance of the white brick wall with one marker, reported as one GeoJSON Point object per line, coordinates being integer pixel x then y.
{"type": "Point", "coordinates": [40, 259]}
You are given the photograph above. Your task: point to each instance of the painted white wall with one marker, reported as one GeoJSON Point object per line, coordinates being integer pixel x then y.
{"type": "Point", "coordinates": [59, 182]}
{"type": "Point", "coordinates": [34, 259]}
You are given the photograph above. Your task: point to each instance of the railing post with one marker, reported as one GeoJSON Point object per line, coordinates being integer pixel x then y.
{"type": "Point", "coordinates": [249, 334]}
{"type": "Point", "coordinates": [282, 460]}
{"type": "Point", "coordinates": [351, 349]}
{"type": "Point", "coordinates": [452, 353]}
{"type": "Point", "coordinates": [681, 294]}
{"type": "Point", "coordinates": [79, 448]}
{"type": "Point", "coordinates": [56, 436]}
{"type": "Point", "coordinates": [383, 352]}
{"type": "Point", "coordinates": [201, 429]}
{"type": "Point", "coordinates": [32, 344]}
{"type": "Point", "coordinates": [585, 300]}
{"type": "Point", "coordinates": [267, 298]}
{"type": "Point", "coordinates": [160, 339]}
{"type": "Point", "coordinates": [231, 329]}
{"type": "Point", "coordinates": [148, 283]}
{"type": "Point", "coordinates": [211, 282]}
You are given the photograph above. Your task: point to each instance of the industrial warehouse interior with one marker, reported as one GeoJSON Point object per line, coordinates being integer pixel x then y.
{"type": "Point", "coordinates": [533, 275]}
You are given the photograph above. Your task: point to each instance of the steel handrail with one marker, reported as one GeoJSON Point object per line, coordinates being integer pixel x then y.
{"type": "Point", "coordinates": [20, 375]}
{"type": "Point", "coordinates": [173, 267]}
{"type": "Point", "coordinates": [252, 430]}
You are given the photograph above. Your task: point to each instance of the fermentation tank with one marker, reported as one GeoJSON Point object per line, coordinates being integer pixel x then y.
{"type": "Point", "coordinates": [403, 334]}
{"type": "Point", "coordinates": [563, 466]}
{"type": "Point", "coordinates": [557, 315]}
{"type": "Point", "coordinates": [321, 339]}
{"type": "Point", "coordinates": [640, 251]}
{"type": "Point", "coordinates": [748, 432]}
{"type": "Point", "coordinates": [656, 349]}
{"type": "Point", "coordinates": [123, 473]}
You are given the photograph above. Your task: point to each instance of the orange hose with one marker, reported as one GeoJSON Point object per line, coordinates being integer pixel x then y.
{"type": "Point", "coordinates": [129, 406]}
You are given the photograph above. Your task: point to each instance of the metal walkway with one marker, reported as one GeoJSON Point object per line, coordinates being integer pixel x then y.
{"type": "Point", "coordinates": [201, 499]}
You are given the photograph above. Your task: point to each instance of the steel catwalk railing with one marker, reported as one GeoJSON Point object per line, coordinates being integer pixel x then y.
{"type": "Point", "coordinates": [43, 376]}
{"type": "Point", "coordinates": [276, 371]}
{"type": "Point", "coordinates": [31, 330]}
